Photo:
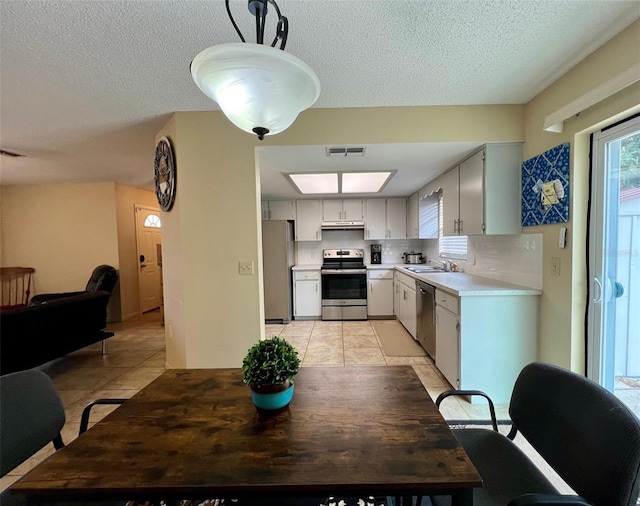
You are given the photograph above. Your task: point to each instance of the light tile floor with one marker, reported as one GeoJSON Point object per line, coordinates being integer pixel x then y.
{"type": "Point", "coordinates": [136, 356]}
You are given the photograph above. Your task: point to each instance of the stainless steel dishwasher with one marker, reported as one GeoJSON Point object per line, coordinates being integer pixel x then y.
{"type": "Point", "coordinates": [426, 316]}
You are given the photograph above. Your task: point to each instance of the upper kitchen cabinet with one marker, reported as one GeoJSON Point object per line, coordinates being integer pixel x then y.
{"type": "Point", "coordinates": [308, 220]}
{"type": "Point", "coordinates": [279, 210]}
{"type": "Point", "coordinates": [413, 216]}
{"type": "Point", "coordinates": [487, 200]}
{"type": "Point", "coordinates": [449, 183]}
{"type": "Point", "coordinates": [385, 218]}
{"type": "Point", "coordinates": [342, 210]}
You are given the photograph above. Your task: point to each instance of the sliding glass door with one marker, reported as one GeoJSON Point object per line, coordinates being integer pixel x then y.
{"type": "Point", "coordinates": [613, 320]}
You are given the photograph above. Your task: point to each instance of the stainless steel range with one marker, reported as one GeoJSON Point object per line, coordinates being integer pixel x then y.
{"type": "Point", "coordinates": [344, 285]}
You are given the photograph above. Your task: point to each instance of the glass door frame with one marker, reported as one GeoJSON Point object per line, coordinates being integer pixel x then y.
{"type": "Point", "coordinates": [602, 247]}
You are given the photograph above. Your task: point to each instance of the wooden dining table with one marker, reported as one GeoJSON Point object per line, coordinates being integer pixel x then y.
{"type": "Point", "coordinates": [194, 433]}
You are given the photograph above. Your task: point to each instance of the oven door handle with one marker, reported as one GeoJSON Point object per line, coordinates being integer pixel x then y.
{"type": "Point", "coordinates": [343, 271]}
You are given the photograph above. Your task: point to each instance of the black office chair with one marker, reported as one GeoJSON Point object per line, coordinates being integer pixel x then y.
{"type": "Point", "coordinates": [31, 417]}
{"type": "Point", "coordinates": [586, 434]}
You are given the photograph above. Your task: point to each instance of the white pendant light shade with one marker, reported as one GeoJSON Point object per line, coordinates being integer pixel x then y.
{"type": "Point", "coordinates": [261, 89]}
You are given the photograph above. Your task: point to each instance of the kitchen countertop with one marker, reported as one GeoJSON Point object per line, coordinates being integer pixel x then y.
{"type": "Point", "coordinates": [465, 285]}
{"type": "Point", "coordinates": [309, 267]}
{"type": "Point", "coordinates": [456, 283]}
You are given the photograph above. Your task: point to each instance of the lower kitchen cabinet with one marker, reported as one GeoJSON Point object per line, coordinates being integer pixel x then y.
{"type": "Point", "coordinates": [483, 342]}
{"type": "Point", "coordinates": [406, 308]}
{"type": "Point", "coordinates": [307, 295]}
{"type": "Point", "coordinates": [380, 296]}
{"type": "Point", "coordinates": [447, 339]}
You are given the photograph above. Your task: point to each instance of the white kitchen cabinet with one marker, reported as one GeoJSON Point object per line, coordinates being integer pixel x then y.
{"type": "Point", "coordinates": [484, 341]}
{"type": "Point", "coordinates": [449, 182]}
{"type": "Point", "coordinates": [396, 294]}
{"type": "Point", "coordinates": [481, 195]}
{"type": "Point", "coordinates": [397, 218]}
{"type": "Point", "coordinates": [385, 218]}
{"type": "Point", "coordinates": [470, 197]}
{"type": "Point", "coordinates": [413, 216]}
{"type": "Point", "coordinates": [406, 311]}
{"type": "Point", "coordinates": [282, 209]}
{"type": "Point", "coordinates": [342, 210]}
{"type": "Point", "coordinates": [375, 221]}
{"type": "Point", "coordinates": [447, 338]}
{"type": "Point", "coordinates": [380, 297]}
{"type": "Point", "coordinates": [307, 294]}
{"type": "Point", "coordinates": [308, 220]}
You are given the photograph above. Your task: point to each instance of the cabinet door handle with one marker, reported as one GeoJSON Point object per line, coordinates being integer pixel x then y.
{"type": "Point", "coordinates": [459, 227]}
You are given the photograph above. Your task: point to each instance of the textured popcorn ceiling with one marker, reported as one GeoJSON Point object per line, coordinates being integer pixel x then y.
{"type": "Point", "coordinates": [86, 84]}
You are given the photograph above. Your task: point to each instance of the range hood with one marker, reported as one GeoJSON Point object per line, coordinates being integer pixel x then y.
{"type": "Point", "coordinates": [342, 225]}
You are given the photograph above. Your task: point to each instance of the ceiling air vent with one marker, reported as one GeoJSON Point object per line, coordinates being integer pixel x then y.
{"type": "Point", "coordinates": [345, 152]}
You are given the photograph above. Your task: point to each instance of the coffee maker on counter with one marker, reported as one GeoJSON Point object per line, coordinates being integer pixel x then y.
{"type": "Point", "coordinates": [376, 253]}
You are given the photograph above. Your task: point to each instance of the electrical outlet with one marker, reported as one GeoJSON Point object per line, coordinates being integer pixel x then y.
{"type": "Point", "coordinates": [555, 266]}
{"type": "Point", "coordinates": [245, 268]}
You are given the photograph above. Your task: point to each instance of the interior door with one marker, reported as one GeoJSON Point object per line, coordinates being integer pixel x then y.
{"type": "Point", "coordinates": [149, 249]}
{"type": "Point", "coordinates": [613, 324]}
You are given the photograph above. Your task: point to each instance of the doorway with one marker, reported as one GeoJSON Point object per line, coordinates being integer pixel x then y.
{"type": "Point", "coordinates": [149, 250]}
{"type": "Point", "coordinates": [613, 319]}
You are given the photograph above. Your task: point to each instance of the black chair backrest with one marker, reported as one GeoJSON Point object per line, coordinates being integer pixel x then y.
{"type": "Point", "coordinates": [583, 431]}
{"type": "Point", "coordinates": [103, 278]}
{"type": "Point", "coordinates": [31, 416]}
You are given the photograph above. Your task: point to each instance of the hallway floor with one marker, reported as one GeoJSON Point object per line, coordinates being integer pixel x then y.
{"type": "Point", "coordinates": [136, 356]}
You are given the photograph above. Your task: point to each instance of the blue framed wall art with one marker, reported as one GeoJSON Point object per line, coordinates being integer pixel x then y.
{"type": "Point", "coordinates": [545, 187]}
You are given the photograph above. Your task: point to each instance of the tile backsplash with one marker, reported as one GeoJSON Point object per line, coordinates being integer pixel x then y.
{"type": "Point", "coordinates": [310, 252]}
{"type": "Point", "coordinates": [513, 259]}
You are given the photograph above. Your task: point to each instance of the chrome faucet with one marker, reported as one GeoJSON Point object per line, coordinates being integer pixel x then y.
{"type": "Point", "coordinates": [445, 264]}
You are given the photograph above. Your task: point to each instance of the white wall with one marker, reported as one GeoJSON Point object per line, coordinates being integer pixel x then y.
{"type": "Point", "coordinates": [63, 231]}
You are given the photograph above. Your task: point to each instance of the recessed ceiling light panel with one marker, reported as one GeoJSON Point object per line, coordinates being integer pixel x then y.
{"type": "Point", "coordinates": [364, 182]}
{"type": "Point", "coordinates": [309, 184]}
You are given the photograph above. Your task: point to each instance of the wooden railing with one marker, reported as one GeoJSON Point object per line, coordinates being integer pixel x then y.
{"type": "Point", "coordinates": [15, 286]}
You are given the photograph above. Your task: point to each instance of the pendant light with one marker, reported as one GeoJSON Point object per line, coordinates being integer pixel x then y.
{"type": "Point", "coordinates": [260, 88]}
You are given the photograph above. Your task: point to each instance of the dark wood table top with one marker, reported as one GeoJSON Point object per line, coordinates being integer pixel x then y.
{"type": "Point", "coordinates": [195, 432]}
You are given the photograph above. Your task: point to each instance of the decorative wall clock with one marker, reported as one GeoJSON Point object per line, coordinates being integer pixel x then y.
{"type": "Point", "coordinates": [165, 174]}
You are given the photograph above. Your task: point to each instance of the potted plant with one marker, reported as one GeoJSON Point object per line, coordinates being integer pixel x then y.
{"type": "Point", "coordinates": [269, 368]}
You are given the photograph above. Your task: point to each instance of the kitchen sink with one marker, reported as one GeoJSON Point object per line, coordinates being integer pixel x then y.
{"type": "Point", "coordinates": [423, 269]}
